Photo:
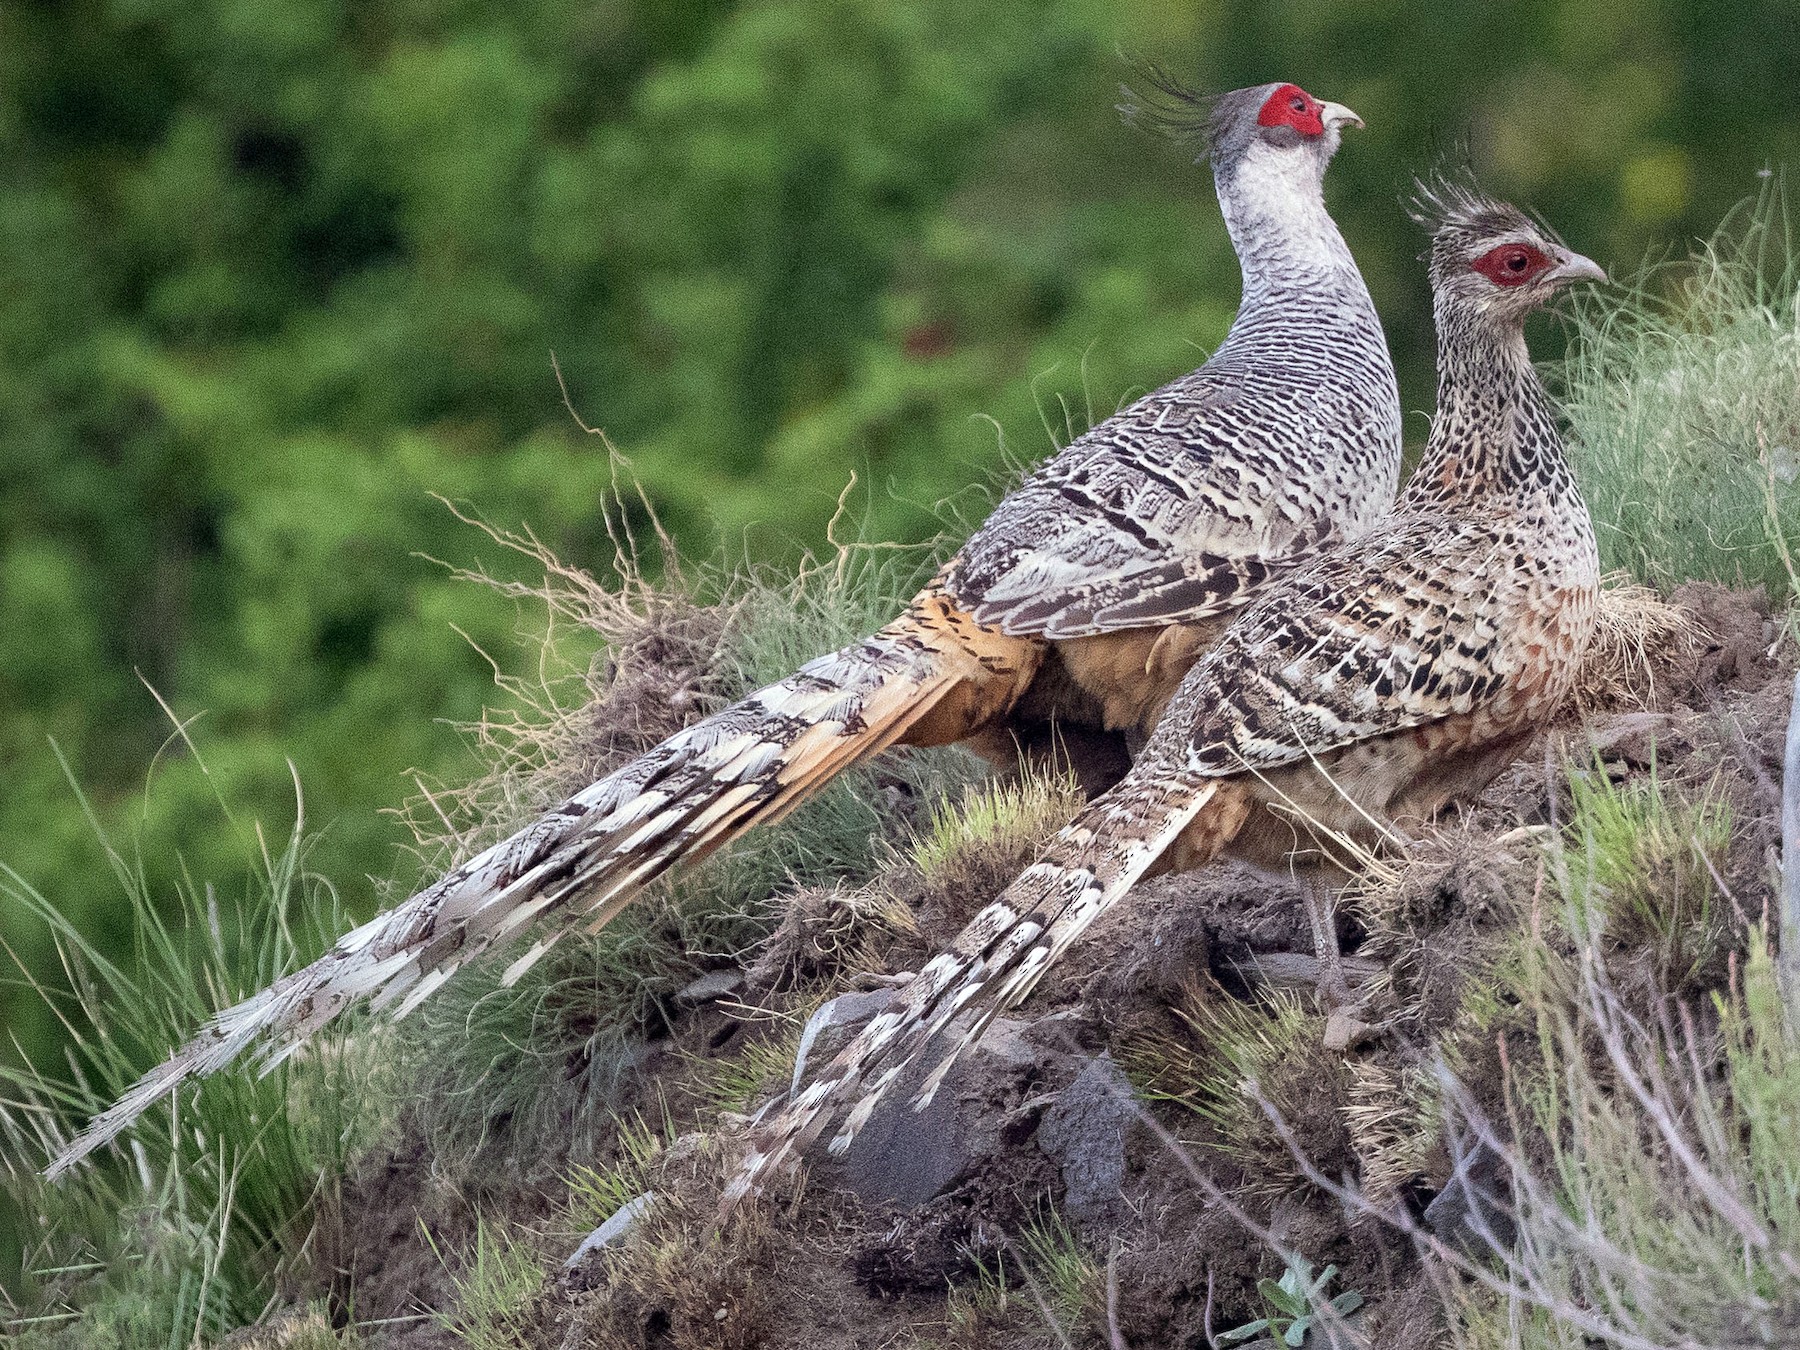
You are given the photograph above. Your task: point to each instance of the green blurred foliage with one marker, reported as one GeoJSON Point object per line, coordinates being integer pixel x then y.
{"type": "Point", "coordinates": [272, 274]}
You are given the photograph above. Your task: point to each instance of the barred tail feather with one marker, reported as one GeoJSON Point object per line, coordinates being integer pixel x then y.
{"type": "Point", "coordinates": [994, 963]}
{"type": "Point", "coordinates": [582, 861]}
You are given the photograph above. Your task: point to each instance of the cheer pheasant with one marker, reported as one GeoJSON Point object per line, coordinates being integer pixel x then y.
{"type": "Point", "coordinates": [1385, 678]}
{"type": "Point", "coordinates": [1087, 594]}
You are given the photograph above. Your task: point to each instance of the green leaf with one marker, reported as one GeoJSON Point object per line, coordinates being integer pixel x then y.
{"type": "Point", "coordinates": [1244, 1332]}
{"type": "Point", "coordinates": [1280, 1296]}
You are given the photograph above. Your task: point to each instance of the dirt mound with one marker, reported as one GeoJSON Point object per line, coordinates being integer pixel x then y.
{"type": "Point", "coordinates": [1142, 1120]}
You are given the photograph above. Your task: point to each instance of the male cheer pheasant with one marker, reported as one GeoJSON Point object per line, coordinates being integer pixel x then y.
{"type": "Point", "coordinates": [1087, 593]}
{"type": "Point", "coordinates": [1386, 677]}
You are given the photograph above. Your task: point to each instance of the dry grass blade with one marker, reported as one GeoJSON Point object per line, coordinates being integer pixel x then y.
{"type": "Point", "coordinates": [1790, 864]}
{"type": "Point", "coordinates": [1638, 638]}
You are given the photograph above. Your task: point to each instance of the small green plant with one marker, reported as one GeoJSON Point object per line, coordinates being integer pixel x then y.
{"type": "Point", "coordinates": [1296, 1303]}
{"type": "Point", "coordinates": [495, 1285]}
{"type": "Point", "coordinates": [993, 826]}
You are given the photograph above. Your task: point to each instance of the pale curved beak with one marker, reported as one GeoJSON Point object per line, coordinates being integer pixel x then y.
{"type": "Point", "coordinates": [1337, 115]}
{"type": "Point", "coordinates": [1577, 268]}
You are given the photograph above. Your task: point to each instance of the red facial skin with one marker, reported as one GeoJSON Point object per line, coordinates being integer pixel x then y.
{"type": "Point", "coordinates": [1292, 106]}
{"type": "Point", "coordinates": [1511, 264]}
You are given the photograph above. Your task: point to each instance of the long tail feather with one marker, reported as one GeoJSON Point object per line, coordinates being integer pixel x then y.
{"type": "Point", "coordinates": [581, 862]}
{"type": "Point", "coordinates": [996, 960]}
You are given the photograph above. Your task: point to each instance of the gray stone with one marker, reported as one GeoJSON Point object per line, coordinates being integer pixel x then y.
{"type": "Point", "coordinates": [709, 988]}
{"type": "Point", "coordinates": [846, 1010]}
{"type": "Point", "coordinates": [1474, 1210]}
{"type": "Point", "coordinates": [1085, 1134]}
{"type": "Point", "coordinates": [905, 1157]}
{"type": "Point", "coordinates": [615, 1230]}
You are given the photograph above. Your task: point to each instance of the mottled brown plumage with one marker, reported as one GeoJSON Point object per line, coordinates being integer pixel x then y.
{"type": "Point", "coordinates": [1174, 512]}
{"type": "Point", "coordinates": [1386, 677]}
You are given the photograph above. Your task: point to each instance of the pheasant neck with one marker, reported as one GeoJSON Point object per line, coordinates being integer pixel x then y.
{"type": "Point", "coordinates": [1285, 240]}
{"type": "Point", "coordinates": [1495, 431]}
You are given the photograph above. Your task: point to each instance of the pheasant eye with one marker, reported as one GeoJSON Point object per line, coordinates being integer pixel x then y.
{"type": "Point", "coordinates": [1511, 264]}
{"type": "Point", "coordinates": [1297, 104]}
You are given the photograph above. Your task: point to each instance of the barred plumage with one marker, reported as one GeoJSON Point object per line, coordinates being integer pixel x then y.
{"type": "Point", "coordinates": [1175, 511]}
{"type": "Point", "coordinates": [1387, 676]}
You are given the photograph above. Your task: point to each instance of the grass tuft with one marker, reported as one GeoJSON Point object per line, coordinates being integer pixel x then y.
{"type": "Point", "coordinates": [1684, 390]}
{"type": "Point", "coordinates": [595, 1194]}
{"type": "Point", "coordinates": [1042, 1281]}
{"type": "Point", "coordinates": [974, 847]}
{"type": "Point", "coordinates": [495, 1286]}
{"type": "Point", "coordinates": [189, 1231]}
{"type": "Point", "coordinates": [757, 1064]}
{"type": "Point", "coordinates": [679, 1283]}
{"type": "Point", "coordinates": [1640, 866]}
{"type": "Point", "coordinates": [1234, 1063]}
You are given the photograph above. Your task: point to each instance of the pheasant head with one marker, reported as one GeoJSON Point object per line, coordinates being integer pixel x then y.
{"type": "Point", "coordinates": [1489, 260]}
{"type": "Point", "coordinates": [1269, 146]}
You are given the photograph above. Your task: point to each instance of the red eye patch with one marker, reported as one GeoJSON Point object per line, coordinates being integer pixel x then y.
{"type": "Point", "coordinates": [1511, 264]}
{"type": "Point", "coordinates": [1292, 106]}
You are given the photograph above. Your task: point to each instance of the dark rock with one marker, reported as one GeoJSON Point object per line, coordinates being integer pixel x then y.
{"type": "Point", "coordinates": [1474, 1210]}
{"type": "Point", "coordinates": [832, 1025]}
{"type": "Point", "coordinates": [985, 1109]}
{"type": "Point", "coordinates": [1085, 1133]}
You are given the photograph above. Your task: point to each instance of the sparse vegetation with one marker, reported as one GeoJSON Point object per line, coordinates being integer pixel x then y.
{"type": "Point", "coordinates": [1654, 1182]}
{"type": "Point", "coordinates": [1641, 867]}
{"type": "Point", "coordinates": [1044, 1279]}
{"type": "Point", "coordinates": [677, 1279]}
{"type": "Point", "coordinates": [595, 1194]}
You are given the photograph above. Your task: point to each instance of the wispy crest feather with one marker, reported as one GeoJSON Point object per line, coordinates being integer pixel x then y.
{"type": "Point", "coordinates": [1451, 200]}
{"type": "Point", "coordinates": [1168, 107]}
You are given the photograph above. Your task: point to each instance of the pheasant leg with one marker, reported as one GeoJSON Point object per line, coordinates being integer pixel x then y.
{"type": "Point", "coordinates": [1343, 1028]}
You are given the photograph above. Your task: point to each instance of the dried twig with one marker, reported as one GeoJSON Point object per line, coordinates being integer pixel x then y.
{"type": "Point", "coordinates": [1115, 1337]}
{"type": "Point", "coordinates": [1787, 967]}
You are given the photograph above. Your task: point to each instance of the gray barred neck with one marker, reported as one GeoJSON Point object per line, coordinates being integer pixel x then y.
{"type": "Point", "coordinates": [1286, 241]}
{"type": "Point", "coordinates": [1495, 429]}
